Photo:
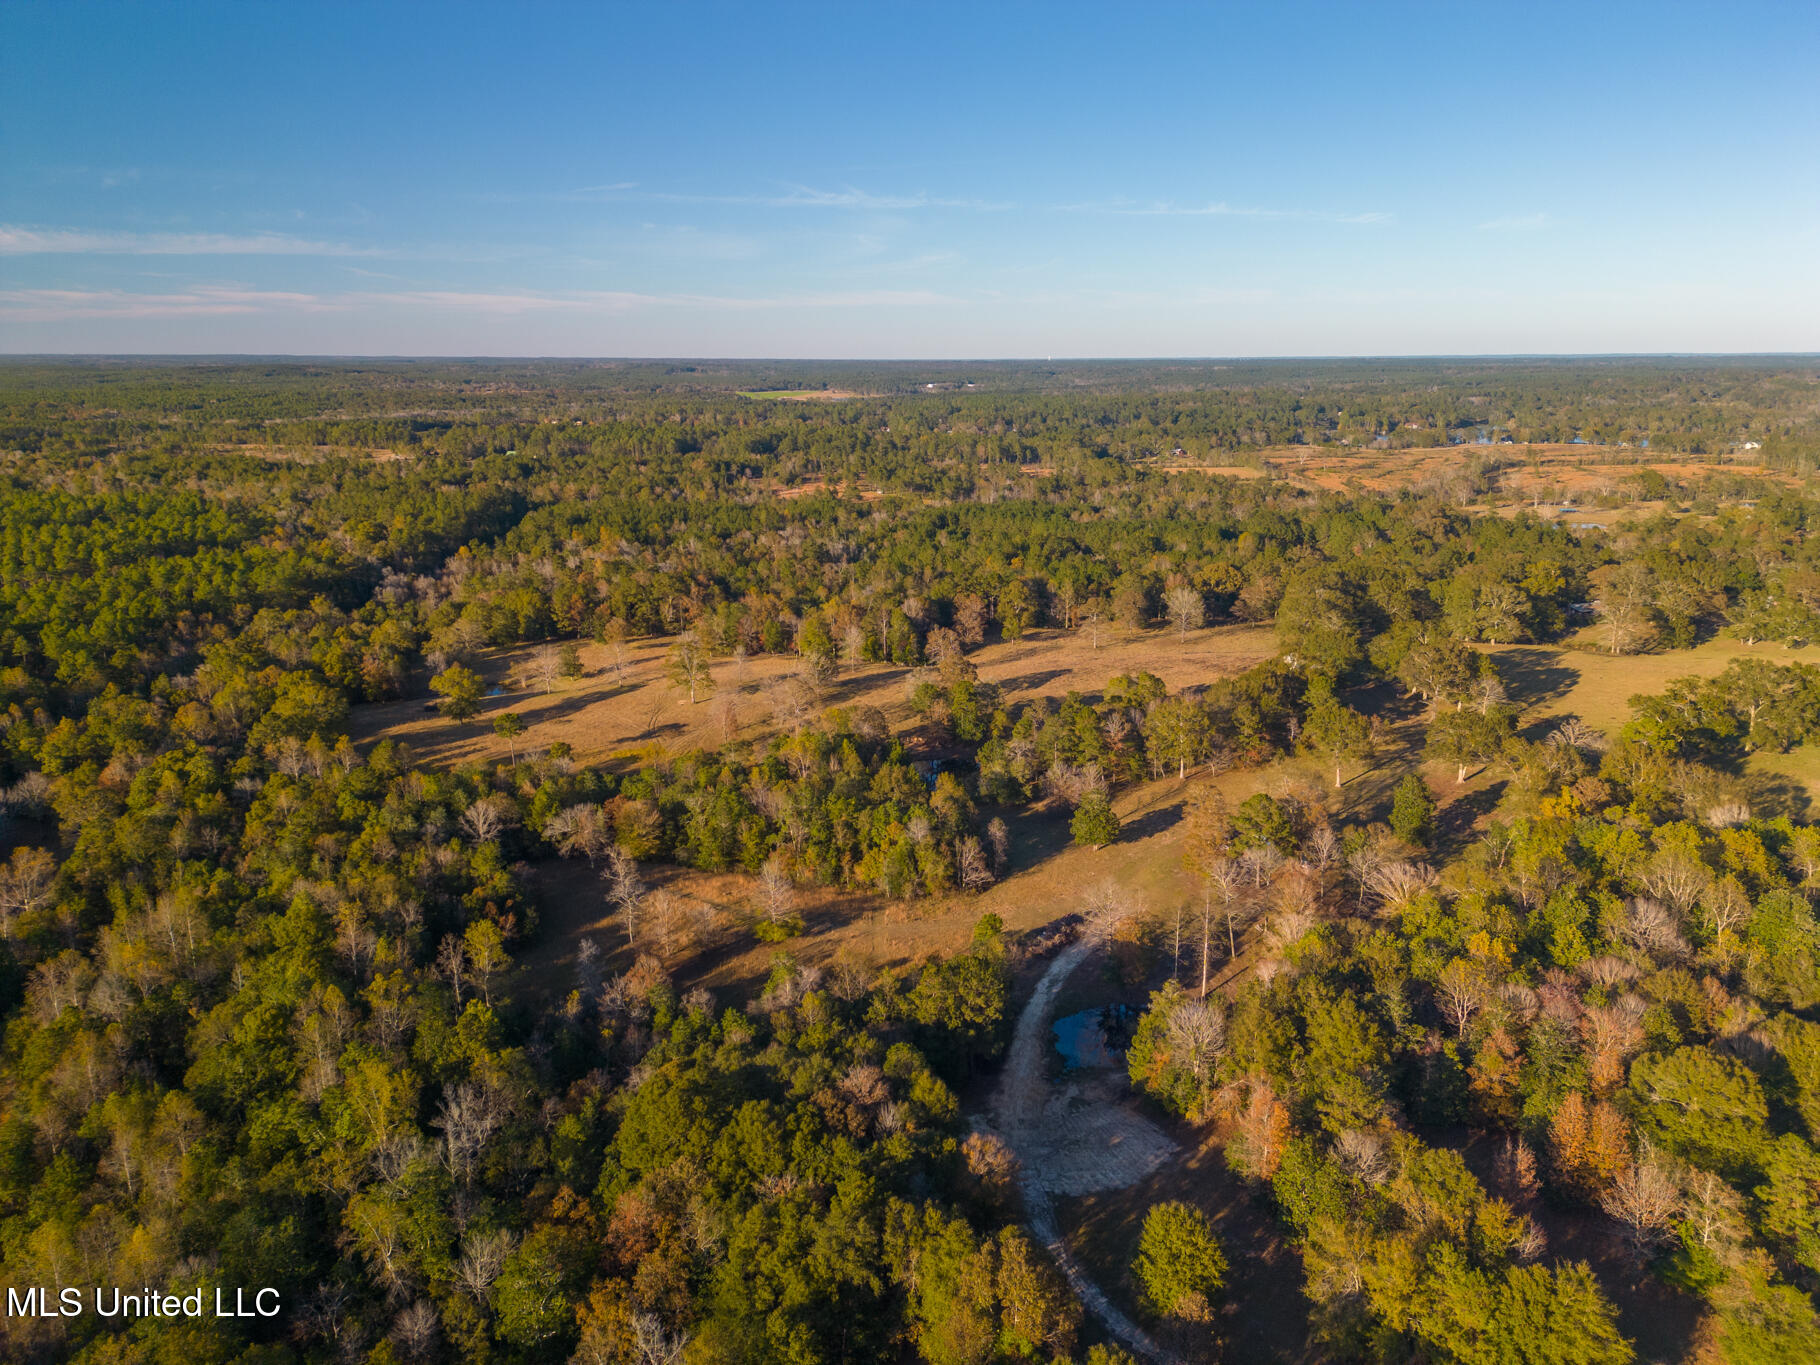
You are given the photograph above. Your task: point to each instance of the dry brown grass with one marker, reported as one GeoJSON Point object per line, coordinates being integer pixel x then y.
{"type": "Point", "coordinates": [1545, 473]}
{"type": "Point", "coordinates": [805, 395]}
{"type": "Point", "coordinates": [604, 721]}
{"type": "Point", "coordinates": [608, 720]}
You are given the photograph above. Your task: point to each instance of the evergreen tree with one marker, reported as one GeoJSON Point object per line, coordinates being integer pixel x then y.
{"type": "Point", "coordinates": [1095, 824]}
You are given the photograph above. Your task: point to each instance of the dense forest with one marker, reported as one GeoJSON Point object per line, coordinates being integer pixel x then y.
{"type": "Point", "coordinates": [262, 1020]}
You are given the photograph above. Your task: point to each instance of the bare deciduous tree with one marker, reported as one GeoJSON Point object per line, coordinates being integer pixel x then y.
{"type": "Point", "coordinates": [1646, 1202]}
{"type": "Point", "coordinates": [1221, 880]}
{"type": "Point", "coordinates": [1261, 863]}
{"type": "Point", "coordinates": [625, 892]}
{"type": "Point", "coordinates": [483, 1256]}
{"type": "Point", "coordinates": [1196, 1034]}
{"type": "Point", "coordinates": [1676, 877]}
{"type": "Point", "coordinates": [580, 830]}
{"type": "Point", "coordinates": [1105, 908]}
{"type": "Point", "coordinates": [776, 892]}
{"type": "Point", "coordinates": [1652, 928]}
{"type": "Point", "coordinates": [613, 637]}
{"type": "Point", "coordinates": [998, 838]}
{"type": "Point", "coordinates": [794, 701]}
{"type": "Point", "coordinates": [656, 1345]}
{"type": "Point", "coordinates": [1363, 1153]}
{"type": "Point", "coordinates": [1628, 606]}
{"type": "Point", "coordinates": [1187, 609]}
{"type": "Point", "coordinates": [1460, 993]}
{"type": "Point", "coordinates": [1396, 884]}
{"type": "Point", "coordinates": [25, 885]}
{"type": "Point", "coordinates": [452, 964]}
{"type": "Point", "coordinates": [415, 1330]}
{"type": "Point", "coordinates": [1093, 625]}
{"type": "Point", "coordinates": [485, 818]}
{"type": "Point", "coordinates": [975, 869]}
{"type": "Point", "coordinates": [726, 714]}
{"type": "Point", "coordinates": [469, 1115]}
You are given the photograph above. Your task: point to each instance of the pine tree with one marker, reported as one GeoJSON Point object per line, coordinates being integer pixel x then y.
{"type": "Point", "coordinates": [1095, 824]}
{"type": "Point", "coordinates": [1180, 1266]}
{"type": "Point", "coordinates": [1412, 811]}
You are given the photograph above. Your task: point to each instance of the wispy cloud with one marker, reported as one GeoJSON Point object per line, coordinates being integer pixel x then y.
{"type": "Point", "coordinates": [1163, 208]}
{"type": "Point", "coordinates": [31, 241]}
{"type": "Point", "coordinates": [223, 300]}
{"type": "Point", "coordinates": [1130, 208]}
{"type": "Point", "coordinates": [790, 196]}
{"type": "Point", "coordinates": [1527, 222]}
{"type": "Point", "coordinates": [62, 305]}
{"type": "Point", "coordinates": [624, 301]}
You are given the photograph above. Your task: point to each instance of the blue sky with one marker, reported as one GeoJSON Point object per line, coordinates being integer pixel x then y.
{"type": "Point", "coordinates": [909, 181]}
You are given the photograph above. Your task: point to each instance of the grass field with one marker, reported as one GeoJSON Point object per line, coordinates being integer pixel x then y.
{"type": "Point", "coordinates": [1547, 472]}
{"type": "Point", "coordinates": [1554, 682]}
{"type": "Point", "coordinates": [802, 395]}
{"type": "Point", "coordinates": [615, 719]}
{"type": "Point", "coordinates": [610, 721]}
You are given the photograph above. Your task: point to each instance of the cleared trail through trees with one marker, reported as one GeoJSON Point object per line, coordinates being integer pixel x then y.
{"type": "Point", "coordinates": [1070, 1142]}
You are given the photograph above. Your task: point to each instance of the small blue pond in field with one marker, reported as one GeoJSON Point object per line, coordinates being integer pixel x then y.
{"type": "Point", "coordinates": [1095, 1038]}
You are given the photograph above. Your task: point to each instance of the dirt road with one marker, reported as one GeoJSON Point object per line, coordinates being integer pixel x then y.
{"type": "Point", "coordinates": [1071, 1140]}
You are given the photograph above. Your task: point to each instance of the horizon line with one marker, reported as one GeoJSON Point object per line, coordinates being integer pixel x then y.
{"type": "Point", "coordinates": [479, 357]}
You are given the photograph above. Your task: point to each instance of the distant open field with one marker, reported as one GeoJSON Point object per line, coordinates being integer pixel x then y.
{"type": "Point", "coordinates": [606, 721]}
{"type": "Point", "coordinates": [612, 719]}
{"type": "Point", "coordinates": [1545, 475]}
{"type": "Point", "coordinates": [803, 395]}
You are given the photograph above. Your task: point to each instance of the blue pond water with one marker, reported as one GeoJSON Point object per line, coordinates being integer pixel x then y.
{"type": "Point", "coordinates": [1094, 1038]}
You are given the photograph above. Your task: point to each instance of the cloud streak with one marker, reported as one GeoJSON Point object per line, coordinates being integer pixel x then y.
{"type": "Point", "coordinates": [29, 241]}
{"type": "Point", "coordinates": [224, 300]}
{"type": "Point", "coordinates": [789, 197]}
{"type": "Point", "coordinates": [64, 305]}
{"type": "Point", "coordinates": [1127, 208]}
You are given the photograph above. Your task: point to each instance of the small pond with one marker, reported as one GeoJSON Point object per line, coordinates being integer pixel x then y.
{"type": "Point", "coordinates": [1095, 1038]}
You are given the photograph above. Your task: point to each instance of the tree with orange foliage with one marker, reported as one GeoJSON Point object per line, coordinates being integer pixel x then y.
{"type": "Point", "coordinates": [1494, 1074]}
{"type": "Point", "coordinates": [1589, 1145]}
{"type": "Point", "coordinates": [1264, 1132]}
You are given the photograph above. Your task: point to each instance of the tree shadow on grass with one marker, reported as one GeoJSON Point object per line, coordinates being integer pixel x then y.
{"type": "Point", "coordinates": [1773, 794]}
{"type": "Point", "coordinates": [1457, 826]}
{"type": "Point", "coordinates": [1533, 676]}
{"type": "Point", "coordinates": [1153, 822]}
{"type": "Point", "coordinates": [1038, 833]}
{"type": "Point", "coordinates": [1030, 682]}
